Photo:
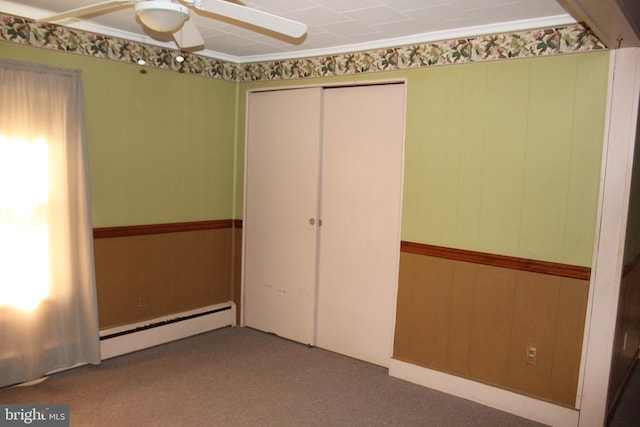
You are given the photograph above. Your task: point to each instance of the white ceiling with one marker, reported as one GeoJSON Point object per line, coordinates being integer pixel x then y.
{"type": "Point", "coordinates": [334, 26]}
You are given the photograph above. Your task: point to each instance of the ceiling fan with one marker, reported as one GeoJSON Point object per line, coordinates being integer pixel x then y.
{"type": "Point", "coordinates": [169, 16]}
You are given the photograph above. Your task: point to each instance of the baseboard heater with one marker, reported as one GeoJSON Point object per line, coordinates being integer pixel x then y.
{"type": "Point", "coordinates": [129, 338]}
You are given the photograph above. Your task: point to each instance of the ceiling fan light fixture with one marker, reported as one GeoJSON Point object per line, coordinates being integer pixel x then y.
{"type": "Point", "coordinates": [162, 16]}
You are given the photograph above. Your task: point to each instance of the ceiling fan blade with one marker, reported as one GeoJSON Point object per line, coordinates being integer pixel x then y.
{"type": "Point", "coordinates": [85, 10]}
{"type": "Point", "coordinates": [188, 36]}
{"type": "Point", "coordinates": [256, 17]}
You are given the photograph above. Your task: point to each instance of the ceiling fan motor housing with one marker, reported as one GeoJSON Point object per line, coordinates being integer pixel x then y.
{"type": "Point", "coordinates": [161, 16]}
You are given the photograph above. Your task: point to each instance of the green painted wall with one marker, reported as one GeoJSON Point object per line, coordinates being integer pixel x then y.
{"type": "Point", "coordinates": [501, 157]}
{"type": "Point", "coordinates": [505, 157]}
{"type": "Point", "coordinates": [160, 144]}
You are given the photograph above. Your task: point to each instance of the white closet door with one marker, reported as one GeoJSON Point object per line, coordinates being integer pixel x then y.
{"type": "Point", "coordinates": [281, 196]}
{"type": "Point", "coordinates": [361, 191]}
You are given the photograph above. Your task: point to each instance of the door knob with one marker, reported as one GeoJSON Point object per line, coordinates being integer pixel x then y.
{"type": "Point", "coordinates": [312, 221]}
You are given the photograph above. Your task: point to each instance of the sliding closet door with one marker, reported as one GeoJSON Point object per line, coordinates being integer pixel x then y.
{"type": "Point", "coordinates": [281, 199]}
{"type": "Point", "coordinates": [363, 145]}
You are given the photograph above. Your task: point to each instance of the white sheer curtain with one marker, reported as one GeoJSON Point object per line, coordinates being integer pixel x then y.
{"type": "Point", "coordinates": [48, 310]}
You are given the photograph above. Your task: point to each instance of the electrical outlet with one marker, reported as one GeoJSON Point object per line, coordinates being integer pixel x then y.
{"type": "Point", "coordinates": [532, 354]}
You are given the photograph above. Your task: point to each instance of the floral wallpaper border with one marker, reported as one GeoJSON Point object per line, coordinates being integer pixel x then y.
{"type": "Point", "coordinates": [524, 44]}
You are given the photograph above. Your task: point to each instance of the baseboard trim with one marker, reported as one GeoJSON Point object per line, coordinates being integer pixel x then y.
{"type": "Point", "coordinates": [517, 404]}
{"type": "Point", "coordinates": [129, 338]}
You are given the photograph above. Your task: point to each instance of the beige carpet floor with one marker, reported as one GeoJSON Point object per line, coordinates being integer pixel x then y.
{"type": "Point", "coordinates": [242, 377]}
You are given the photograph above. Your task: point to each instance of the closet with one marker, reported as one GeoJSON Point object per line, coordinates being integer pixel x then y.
{"type": "Point", "coordinates": [323, 190]}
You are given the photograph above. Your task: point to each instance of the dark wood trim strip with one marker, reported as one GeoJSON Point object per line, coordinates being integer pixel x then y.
{"type": "Point", "coordinates": [237, 223]}
{"type": "Point", "coordinates": [175, 227]}
{"type": "Point", "coordinates": [544, 267]}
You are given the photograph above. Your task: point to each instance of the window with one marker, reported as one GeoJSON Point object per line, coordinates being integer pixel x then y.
{"type": "Point", "coordinates": [48, 310]}
{"type": "Point", "coordinates": [24, 240]}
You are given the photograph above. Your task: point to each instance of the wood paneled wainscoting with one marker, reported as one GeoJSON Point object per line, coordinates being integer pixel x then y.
{"type": "Point", "coordinates": [507, 322]}
{"type": "Point", "coordinates": [148, 271]}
